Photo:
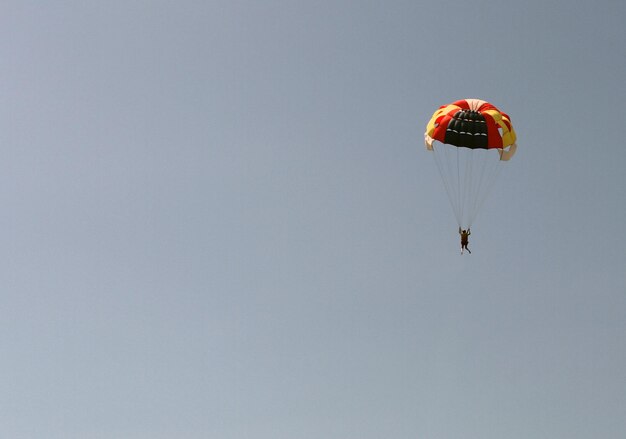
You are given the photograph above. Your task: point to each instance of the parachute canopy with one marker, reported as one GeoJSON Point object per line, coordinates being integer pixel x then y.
{"type": "Point", "coordinates": [472, 123]}
{"type": "Point", "coordinates": [470, 139]}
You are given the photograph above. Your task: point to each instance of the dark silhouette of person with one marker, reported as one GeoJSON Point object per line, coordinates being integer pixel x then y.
{"type": "Point", "coordinates": [465, 239]}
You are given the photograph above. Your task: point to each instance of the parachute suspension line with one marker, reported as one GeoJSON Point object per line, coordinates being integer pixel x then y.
{"type": "Point", "coordinates": [455, 180]}
{"type": "Point", "coordinates": [476, 183]}
{"type": "Point", "coordinates": [493, 175]}
{"type": "Point", "coordinates": [450, 176]}
{"type": "Point", "coordinates": [462, 181]}
{"type": "Point", "coordinates": [452, 181]}
{"type": "Point", "coordinates": [482, 160]}
{"type": "Point", "coordinates": [490, 170]}
{"type": "Point", "coordinates": [467, 186]}
{"type": "Point", "coordinates": [468, 176]}
{"type": "Point", "coordinates": [458, 183]}
{"type": "Point", "coordinates": [444, 177]}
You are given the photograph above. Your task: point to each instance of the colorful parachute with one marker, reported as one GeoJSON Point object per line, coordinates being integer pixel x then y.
{"type": "Point", "coordinates": [470, 140]}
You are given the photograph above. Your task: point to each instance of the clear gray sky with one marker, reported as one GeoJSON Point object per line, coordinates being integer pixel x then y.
{"type": "Point", "coordinates": [218, 220]}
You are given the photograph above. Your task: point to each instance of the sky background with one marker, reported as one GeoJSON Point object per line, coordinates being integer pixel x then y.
{"type": "Point", "coordinates": [219, 221]}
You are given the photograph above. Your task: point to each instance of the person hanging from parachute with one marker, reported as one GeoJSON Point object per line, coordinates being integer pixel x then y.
{"type": "Point", "coordinates": [470, 139]}
{"type": "Point", "coordinates": [465, 239]}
